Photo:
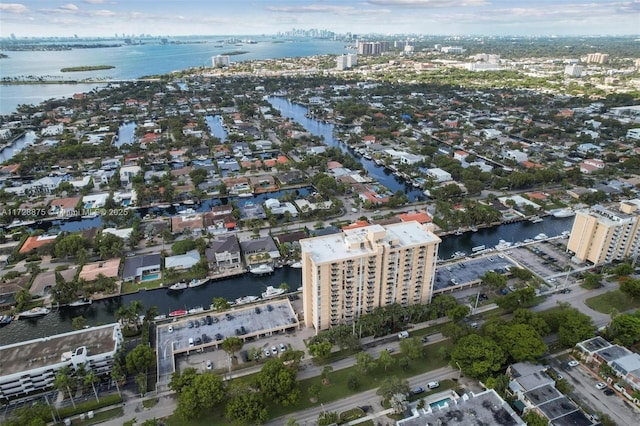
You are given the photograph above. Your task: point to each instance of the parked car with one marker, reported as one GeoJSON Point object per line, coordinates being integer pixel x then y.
{"type": "Point", "coordinates": [267, 352]}
{"type": "Point", "coordinates": [170, 329]}
{"type": "Point", "coordinates": [282, 347]}
{"type": "Point", "coordinates": [609, 391]}
{"type": "Point", "coordinates": [601, 385]}
{"type": "Point", "coordinates": [425, 339]}
{"type": "Point", "coordinates": [209, 320]}
{"type": "Point", "coordinates": [418, 390]}
{"type": "Point", "coordinates": [274, 350]}
{"type": "Point", "coordinates": [190, 324]}
{"type": "Point", "coordinates": [403, 335]}
{"type": "Point", "coordinates": [433, 385]}
{"type": "Point", "coordinates": [209, 365]}
{"type": "Point", "coordinates": [573, 363]}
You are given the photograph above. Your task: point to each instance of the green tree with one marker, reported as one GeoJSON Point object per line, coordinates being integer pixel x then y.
{"type": "Point", "coordinates": [206, 391]}
{"type": "Point", "coordinates": [523, 297]}
{"type": "Point", "coordinates": [478, 356]}
{"type": "Point", "coordinates": [231, 345]}
{"type": "Point", "coordinates": [412, 348]}
{"type": "Point", "coordinates": [494, 280]}
{"type": "Point", "coordinates": [521, 342]}
{"type": "Point", "coordinates": [327, 418]}
{"type": "Point", "coordinates": [37, 414]}
{"type": "Point", "coordinates": [623, 270]}
{"type": "Point", "coordinates": [458, 313]}
{"type": "Point", "coordinates": [183, 246]}
{"type": "Point", "coordinates": [78, 323]}
{"type": "Point", "coordinates": [320, 350]}
{"type": "Point", "coordinates": [534, 319]}
{"type": "Point", "coordinates": [353, 382]}
{"type": "Point", "coordinates": [385, 359]}
{"type": "Point", "coordinates": [139, 359]}
{"type": "Point", "coordinates": [365, 362]}
{"type": "Point", "coordinates": [23, 298]}
{"type": "Point", "coordinates": [531, 418]}
{"type": "Point", "coordinates": [109, 246]}
{"type": "Point", "coordinates": [575, 327]}
{"type": "Point", "coordinates": [181, 381]}
{"type": "Point", "coordinates": [625, 329]}
{"type": "Point", "coordinates": [246, 407]}
{"type": "Point", "coordinates": [314, 391]}
{"type": "Point", "coordinates": [630, 287]}
{"type": "Point", "coordinates": [278, 383]}
{"type": "Point", "coordinates": [592, 281]}
{"type": "Point", "coordinates": [399, 402]}
{"type": "Point", "coordinates": [391, 386]}
{"type": "Point", "coordinates": [65, 380]}
{"type": "Point", "coordinates": [90, 379]}
{"type": "Point", "coordinates": [220, 304]}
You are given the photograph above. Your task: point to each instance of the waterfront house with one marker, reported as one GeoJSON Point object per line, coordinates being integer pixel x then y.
{"type": "Point", "coordinates": [107, 268]}
{"type": "Point", "coordinates": [142, 268]}
{"type": "Point", "coordinates": [182, 262]}
{"type": "Point", "coordinates": [224, 253]}
{"type": "Point", "coordinates": [64, 207]}
{"type": "Point", "coordinates": [259, 250]}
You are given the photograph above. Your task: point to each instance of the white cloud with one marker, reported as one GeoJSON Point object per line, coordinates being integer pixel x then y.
{"type": "Point", "coordinates": [428, 3]}
{"type": "Point", "coordinates": [313, 8]}
{"type": "Point", "coordinates": [94, 1]}
{"type": "Point", "coordinates": [69, 6]}
{"type": "Point", "coordinates": [102, 12]}
{"type": "Point", "coordinates": [13, 8]}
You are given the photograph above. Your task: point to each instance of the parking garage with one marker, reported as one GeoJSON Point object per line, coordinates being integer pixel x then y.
{"type": "Point", "coordinates": [209, 329]}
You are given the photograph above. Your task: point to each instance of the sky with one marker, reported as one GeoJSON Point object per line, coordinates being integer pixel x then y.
{"type": "Point", "coordinates": [85, 18]}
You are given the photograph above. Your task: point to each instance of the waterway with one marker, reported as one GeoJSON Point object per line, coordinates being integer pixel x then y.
{"type": "Point", "coordinates": [17, 146]}
{"type": "Point", "coordinates": [126, 134]}
{"type": "Point", "coordinates": [297, 112]}
{"type": "Point", "coordinates": [215, 127]}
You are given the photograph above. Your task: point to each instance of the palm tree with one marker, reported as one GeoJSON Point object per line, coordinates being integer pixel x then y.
{"type": "Point", "coordinates": [117, 375]}
{"type": "Point", "coordinates": [64, 380]}
{"type": "Point", "coordinates": [91, 379]}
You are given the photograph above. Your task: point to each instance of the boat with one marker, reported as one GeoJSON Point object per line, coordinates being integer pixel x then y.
{"type": "Point", "coordinates": [299, 289]}
{"type": "Point", "coordinates": [528, 240]}
{"type": "Point", "coordinates": [178, 286]}
{"type": "Point", "coordinates": [540, 236]}
{"type": "Point", "coordinates": [178, 313]}
{"type": "Point", "coordinates": [35, 312]}
{"type": "Point", "coordinates": [246, 299]}
{"type": "Point", "coordinates": [502, 245]}
{"type": "Point", "coordinates": [296, 265]}
{"type": "Point", "coordinates": [89, 216]}
{"type": "Point", "coordinates": [536, 219]}
{"type": "Point", "coordinates": [5, 320]}
{"type": "Point", "coordinates": [81, 302]}
{"type": "Point", "coordinates": [196, 310]}
{"type": "Point", "coordinates": [563, 213]}
{"type": "Point", "coordinates": [458, 254]}
{"type": "Point", "coordinates": [163, 206]}
{"type": "Point", "coordinates": [478, 248]}
{"type": "Point", "coordinates": [272, 291]}
{"type": "Point", "coordinates": [261, 269]}
{"type": "Point", "coordinates": [473, 229]}
{"type": "Point", "coordinates": [458, 232]}
{"type": "Point", "coordinates": [245, 195]}
{"type": "Point", "coordinates": [196, 283]}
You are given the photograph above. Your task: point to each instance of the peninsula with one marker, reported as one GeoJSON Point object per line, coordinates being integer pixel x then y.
{"type": "Point", "coordinates": [87, 68]}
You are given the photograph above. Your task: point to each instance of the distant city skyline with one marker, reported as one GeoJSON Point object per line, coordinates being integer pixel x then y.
{"type": "Point", "coordinates": [105, 18]}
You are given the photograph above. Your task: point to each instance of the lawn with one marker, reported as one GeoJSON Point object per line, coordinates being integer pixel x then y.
{"type": "Point", "coordinates": [610, 300]}
{"type": "Point", "coordinates": [100, 417]}
{"type": "Point", "coordinates": [336, 389]}
{"type": "Point", "coordinates": [133, 287]}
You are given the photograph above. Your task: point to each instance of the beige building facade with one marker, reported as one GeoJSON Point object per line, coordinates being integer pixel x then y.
{"type": "Point", "coordinates": [349, 274]}
{"type": "Point", "coordinates": [602, 235]}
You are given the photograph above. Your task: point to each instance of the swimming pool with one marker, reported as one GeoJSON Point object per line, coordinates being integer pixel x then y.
{"type": "Point", "coordinates": [440, 403]}
{"type": "Point", "coordinates": [150, 277]}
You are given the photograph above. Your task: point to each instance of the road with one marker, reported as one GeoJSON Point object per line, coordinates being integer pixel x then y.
{"type": "Point", "coordinates": [367, 398]}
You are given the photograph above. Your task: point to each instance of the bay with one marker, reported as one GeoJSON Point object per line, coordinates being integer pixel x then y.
{"type": "Point", "coordinates": [135, 61]}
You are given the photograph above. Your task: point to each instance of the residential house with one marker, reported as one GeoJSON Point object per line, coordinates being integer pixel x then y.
{"type": "Point", "coordinates": [182, 262]}
{"type": "Point", "coordinates": [259, 251]}
{"type": "Point", "coordinates": [142, 268]}
{"type": "Point", "coordinates": [224, 253]}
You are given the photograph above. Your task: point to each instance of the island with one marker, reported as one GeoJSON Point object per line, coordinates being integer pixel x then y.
{"type": "Point", "coordinates": [237, 52]}
{"type": "Point", "coordinates": [87, 68]}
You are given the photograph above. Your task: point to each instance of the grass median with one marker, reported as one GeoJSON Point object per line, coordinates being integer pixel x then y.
{"type": "Point", "coordinates": [610, 300]}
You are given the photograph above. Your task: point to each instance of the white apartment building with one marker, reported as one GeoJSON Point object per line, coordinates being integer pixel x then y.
{"type": "Point", "coordinates": [573, 70]}
{"type": "Point", "coordinates": [220, 61]}
{"type": "Point", "coordinates": [30, 367]}
{"type": "Point", "coordinates": [349, 274]}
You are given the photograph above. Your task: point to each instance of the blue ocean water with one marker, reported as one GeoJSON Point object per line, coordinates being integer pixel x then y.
{"type": "Point", "coordinates": [135, 61]}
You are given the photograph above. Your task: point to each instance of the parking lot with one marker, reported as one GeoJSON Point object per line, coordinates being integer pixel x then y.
{"type": "Point", "coordinates": [206, 331]}
{"type": "Point", "coordinates": [586, 394]}
{"type": "Point", "coordinates": [451, 275]}
{"type": "Point", "coordinates": [547, 259]}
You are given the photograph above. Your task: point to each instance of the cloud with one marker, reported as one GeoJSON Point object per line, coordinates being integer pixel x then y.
{"type": "Point", "coordinates": [69, 6]}
{"type": "Point", "coordinates": [314, 8]}
{"type": "Point", "coordinates": [428, 3]}
{"type": "Point", "coordinates": [102, 12]}
{"type": "Point", "coordinates": [94, 1]}
{"type": "Point", "coordinates": [13, 8]}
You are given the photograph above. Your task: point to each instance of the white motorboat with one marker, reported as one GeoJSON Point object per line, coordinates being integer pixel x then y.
{"type": "Point", "coordinates": [540, 236]}
{"type": "Point", "coordinates": [178, 286]}
{"type": "Point", "coordinates": [196, 283]}
{"type": "Point", "coordinates": [246, 299]}
{"type": "Point", "coordinates": [563, 213]}
{"type": "Point", "coordinates": [261, 269]}
{"type": "Point", "coordinates": [503, 245]}
{"type": "Point", "coordinates": [81, 302]}
{"type": "Point", "coordinates": [272, 291]}
{"type": "Point", "coordinates": [296, 265]}
{"type": "Point", "coordinates": [35, 312]}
